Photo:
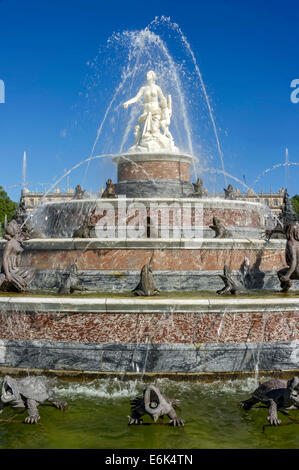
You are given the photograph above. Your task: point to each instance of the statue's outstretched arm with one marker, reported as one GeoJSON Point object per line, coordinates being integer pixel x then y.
{"type": "Point", "coordinates": [135, 99]}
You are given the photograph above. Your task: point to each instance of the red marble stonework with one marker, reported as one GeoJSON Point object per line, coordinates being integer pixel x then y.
{"type": "Point", "coordinates": [192, 328]}
{"type": "Point", "coordinates": [170, 170]}
{"type": "Point", "coordinates": [163, 260]}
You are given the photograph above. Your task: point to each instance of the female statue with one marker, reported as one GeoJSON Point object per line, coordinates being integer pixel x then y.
{"type": "Point", "coordinates": [12, 274]}
{"type": "Point", "coordinates": [156, 114]}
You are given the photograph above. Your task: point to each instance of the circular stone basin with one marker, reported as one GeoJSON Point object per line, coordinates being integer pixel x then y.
{"type": "Point", "coordinates": [243, 219]}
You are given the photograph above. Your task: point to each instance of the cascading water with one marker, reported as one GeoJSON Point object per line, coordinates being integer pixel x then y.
{"type": "Point", "coordinates": [161, 47]}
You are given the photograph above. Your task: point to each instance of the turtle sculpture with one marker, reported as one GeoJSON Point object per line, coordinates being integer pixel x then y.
{"type": "Point", "coordinates": [29, 393]}
{"type": "Point", "coordinates": [230, 284]}
{"type": "Point", "coordinates": [155, 405]}
{"type": "Point", "coordinates": [276, 394]}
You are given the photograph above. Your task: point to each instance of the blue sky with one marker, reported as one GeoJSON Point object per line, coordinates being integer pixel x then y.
{"type": "Point", "coordinates": [247, 52]}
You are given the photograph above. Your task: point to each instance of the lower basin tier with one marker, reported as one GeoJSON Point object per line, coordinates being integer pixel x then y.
{"type": "Point", "coordinates": [115, 265]}
{"type": "Point", "coordinates": [150, 336]}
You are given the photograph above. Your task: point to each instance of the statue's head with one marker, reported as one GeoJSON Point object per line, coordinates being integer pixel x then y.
{"type": "Point", "coordinates": [13, 230]}
{"type": "Point", "coordinates": [10, 391]}
{"type": "Point", "coordinates": [151, 76]}
{"type": "Point", "coordinates": [153, 402]}
{"type": "Point", "coordinates": [292, 231]}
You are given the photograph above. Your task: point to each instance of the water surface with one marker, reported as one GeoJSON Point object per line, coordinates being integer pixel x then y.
{"type": "Point", "coordinates": [97, 419]}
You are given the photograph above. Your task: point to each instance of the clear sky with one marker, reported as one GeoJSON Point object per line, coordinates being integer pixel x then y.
{"type": "Point", "coordinates": [247, 52]}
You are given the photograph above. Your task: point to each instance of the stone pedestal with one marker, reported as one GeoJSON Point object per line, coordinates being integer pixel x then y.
{"type": "Point", "coordinates": [154, 175]}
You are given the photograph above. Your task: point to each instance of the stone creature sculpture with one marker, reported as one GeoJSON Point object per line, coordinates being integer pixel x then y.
{"type": "Point", "coordinates": [13, 276]}
{"type": "Point", "coordinates": [276, 394]}
{"type": "Point", "coordinates": [110, 189]}
{"type": "Point", "coordinates": [79, 192]}
{"type": "Point", "coordinates": [20, 215]}
{"type": "Point", "coordinates": [229, 192]}
{"type": "Point", "coordinates": [230, 284]}
{"type": "Point", "coordinates": [219, 229]}
{"type": "Point", "coordinates": [248, 274]}
{"type": "Point", "coordinates": [277, 232]}
{"type": "Point", "coordinates": [286, 217]}
{"type": "Point", "coordinates": [288, 214]}
{"type": "Point", "coordinates": [29, 393]}
{"type": "Point", "coordinates": [84, 231]}
{"type": "Point", "coordinates": [87, 229]}
{"type": "Point", "coordinates": [23, 220]}
{"type": "Point", "coordinates": [146, 286]}
{"type": "Point", "coordinates": [70, 282]}
{"type": "Point", "coordinates": [199, 190]}
{"type": "Point", "coordinates": [286, 275]}
{"type": "Point", "coordinates": [156, 405]}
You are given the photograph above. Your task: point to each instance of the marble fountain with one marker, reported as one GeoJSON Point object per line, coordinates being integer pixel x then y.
{"type": "Point", "coordinates": [154, 215]}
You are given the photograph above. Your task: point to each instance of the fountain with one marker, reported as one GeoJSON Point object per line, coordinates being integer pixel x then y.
{"type": "Point", "coordinates": [153, 220]}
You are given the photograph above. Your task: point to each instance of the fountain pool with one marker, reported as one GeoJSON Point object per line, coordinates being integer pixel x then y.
{"type": "Point", "coordinates": [98, 409]}
{"type": "Point", "coordinates": [105, 343]}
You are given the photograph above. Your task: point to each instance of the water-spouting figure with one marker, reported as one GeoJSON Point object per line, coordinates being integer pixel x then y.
{"type": "Point", "coordinates": [156, 405]}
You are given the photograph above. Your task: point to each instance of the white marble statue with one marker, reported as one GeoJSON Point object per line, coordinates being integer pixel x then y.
{"type": "Point", "coordinates": [155, 118]}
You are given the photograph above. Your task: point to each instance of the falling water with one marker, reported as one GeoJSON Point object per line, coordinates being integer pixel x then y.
{"type": "Point", "coordinates": [274, 167]}
{"type": "Point", "coordinates": [120, 86]}
{"type": "Point", "coordinates": [133, 54]}
{"type": "Point", "coordinates": [287, 169]}
{"type": "Point", "coordinates": [190, 51]}
{"type": "Point", "coordinates": [24, 172]}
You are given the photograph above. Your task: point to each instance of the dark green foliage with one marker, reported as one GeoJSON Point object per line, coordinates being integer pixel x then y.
{"type": "Point", "coordinates": [7, 206]}
{"type": "Point", "coordinates": [295, 202]}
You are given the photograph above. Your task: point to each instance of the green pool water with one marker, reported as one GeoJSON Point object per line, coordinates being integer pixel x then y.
{"type": "Point", "coordinates": [97, 419]}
